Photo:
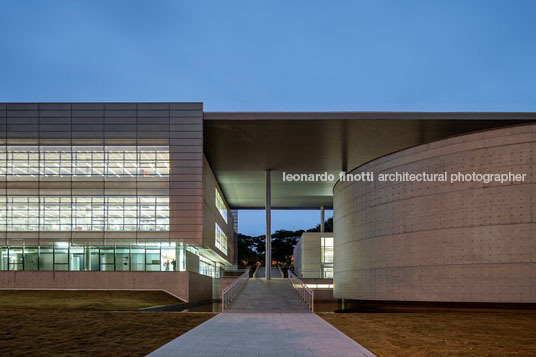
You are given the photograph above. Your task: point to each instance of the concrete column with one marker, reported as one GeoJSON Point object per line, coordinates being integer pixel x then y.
{"type": "Point", "coordinates": [268, 208]}
{"type": "Point", "coordinates": [322, 219]}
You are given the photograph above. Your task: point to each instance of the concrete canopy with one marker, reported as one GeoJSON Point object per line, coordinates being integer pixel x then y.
{"type": "Point", "coordinates": [241, 146]}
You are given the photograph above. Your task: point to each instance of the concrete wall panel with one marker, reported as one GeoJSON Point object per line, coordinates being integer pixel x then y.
{"type": "Point", "coordinates": [434, 241]}
{"type": "Point", "coordinates": [187, 286]}
{"type": "Point", "coordinates": [177, 125]}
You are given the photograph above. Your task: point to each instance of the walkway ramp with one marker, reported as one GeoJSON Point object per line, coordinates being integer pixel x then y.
{"type": "Point", "coordinates": [271, 334]}
{"type": "Point", "coordinates": [275, 273]}
{"type": "Point", "coordinates": [261, 295]}
{"type": "Point", "coordinates": [267, 318]}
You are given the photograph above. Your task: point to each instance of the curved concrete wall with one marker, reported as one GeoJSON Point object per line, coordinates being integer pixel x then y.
{"type": "Point", "coordinates": [460, 242]}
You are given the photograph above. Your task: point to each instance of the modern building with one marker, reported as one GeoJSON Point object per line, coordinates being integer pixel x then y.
{"type": "Point", "coordinates": [112, 196]}
{"type": "Point", "coordinates": [313, 263]}
{"type": "Point", "coordinates": [144, 196]}
{"type": "Point", "coordinates": [313, 255]}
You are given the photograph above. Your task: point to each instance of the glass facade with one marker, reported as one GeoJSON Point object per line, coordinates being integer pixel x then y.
{"type": "Point", "coordinates": [84, 213]}
{"type": "Point", "coordinates": [220, 205]}
{"type": "Point", "coordinates": [92, 188]}
{"type": "Point", "coordinates": [133, 257]}
{"type": "Point", "coordinates": [42, 162]}
{"type": "Point", "coordinates": [56, 210]}
{"type": "Point", "coordinates": [326, 251]}
{"type": "Point", "coordinates": [220, 239]}
{"type": "Point", "coordinates": [207, 267]}
{"type": "Point", "coordinates": [63, 257]}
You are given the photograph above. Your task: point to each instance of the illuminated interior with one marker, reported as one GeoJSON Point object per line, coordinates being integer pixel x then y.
{"type": "Point", "coordinates": [220, 239]}
{"type": "Point", "coordinates": [84, 213]}
{"type": "Point", "coordinates": [327, 256]}
{"type": "Point", "coordinates": [27, 162]}
{"type": "Point", "coordinates": [220, 205]}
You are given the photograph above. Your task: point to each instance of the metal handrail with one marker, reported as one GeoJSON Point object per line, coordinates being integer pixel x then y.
{"type": "Point", "coordinates": [256, 271]}
{"type": "Point", "coordinates": [280, 271]}
{"type": "Point", "coordinates": [231, 291]}
{"type": "Point", "coordinates": [306, 294]}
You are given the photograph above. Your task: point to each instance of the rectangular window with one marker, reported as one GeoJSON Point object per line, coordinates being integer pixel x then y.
{"type": "Point", "coordinates": [220, 239]}
{"type": "Point", "coordinates": [152, 259]}
{"type": "Point", "coordinates": [31, 258]}
{"type": "Point", "coordinates": [137, 259]}
{"type": "Point", "coordinates": [84, 213]}
{"type": "Point", "coordinates": [107, 259]}
{"type": "Point", "coordinates": [3, 213]}
{"type": "Point", "coordinates": [54, 213]}
{"type": "Point", "coordinates": [93, 264]}
{"type": "Point", "coordinates": [114, 214]}
{"type": "Point", "coordinates": [22, 213]}
{"type": "Point", "coordinates": [15, 258]}
{"type": "Point", "coordinates": [327, 272]}
{"type": "Point", "coordinates": [206, 267]}
{"type": "Point", "coordinates": [122, 259]}
{"type": "Point", "coordinates": [19, 162]}
{"type": "Point", "coordinates": [65, 257]}
{"type": "Point", "coordinates": [4, 258]}
{"type": "Point", "coordinates": [168, 258]}
{"type": "Point", "coordinates": [61, 258]}
{"type": "Point", "coordinates": [220, 205]}
{"type": "Point", "coordinates": [77, 259]}
{"type": "Point", "coordinates": [46, 258]}
{"type": "Point", "coordinates": [327, 257]}
{"type": "Point", "coordinates": [162, 214]}
{"type": "Point", "coordinates": [147, 212]}
{"type": "Point", "coordinates": [327, 249]}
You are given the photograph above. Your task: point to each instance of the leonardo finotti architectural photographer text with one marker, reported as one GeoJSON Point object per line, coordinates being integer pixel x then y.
{"type": "Point", "coordinates": [406, 177]}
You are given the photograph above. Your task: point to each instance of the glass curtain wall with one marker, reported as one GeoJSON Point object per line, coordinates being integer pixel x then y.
{"type": "Point", "coordinates": [220, 239]}
{"type": "Point", "coordinates": [326, 251]}
{"type": "Point", "coordinates": [52, 211]}
{"type": "Point", "coordinates": [84, 213]}
{"type": "Point", "coordinates": [207, 267]}
{"type": "Point", "coordinates": [62, 257]}
{"type": "Point", "coordinates": [41, 162]}
{"type": "Point", "coordinates": [220, 205]}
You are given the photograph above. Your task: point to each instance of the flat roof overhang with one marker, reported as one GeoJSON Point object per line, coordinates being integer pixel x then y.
{"type": "Point", "coordinates": [241, 146]}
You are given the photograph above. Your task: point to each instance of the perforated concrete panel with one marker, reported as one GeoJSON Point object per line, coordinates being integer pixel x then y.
{"type": "Point", "coordinates": [441, 241]}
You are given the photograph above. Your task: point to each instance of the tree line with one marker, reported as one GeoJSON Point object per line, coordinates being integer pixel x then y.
{"type": "Point", "coordinates": [251, 249]}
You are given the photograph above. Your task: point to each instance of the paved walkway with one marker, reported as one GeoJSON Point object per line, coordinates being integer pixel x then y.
{"type": "Point", "coordinates": [275, 273]}
{"type": "Point", "coordinates": [261, 295]}
{"type": "Point", "coordinates": [266, 319]}
{"type": "Point", "coordinates": [263, 334]}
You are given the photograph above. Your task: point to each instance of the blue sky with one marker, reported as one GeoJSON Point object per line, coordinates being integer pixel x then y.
{"type": "Point", "coordinates": [440, 55]}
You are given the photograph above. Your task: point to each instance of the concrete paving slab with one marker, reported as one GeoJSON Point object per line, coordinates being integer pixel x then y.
{"type": "Point", "coordinates": [261, 335]}
{"type": "Point", "coordinates": [275, 273]}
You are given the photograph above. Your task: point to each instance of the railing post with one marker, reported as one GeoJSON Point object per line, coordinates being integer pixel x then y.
{"type": "Point", "coordinates": [306, 294]}
{"type": "Point", "coordinates": [229, 293]}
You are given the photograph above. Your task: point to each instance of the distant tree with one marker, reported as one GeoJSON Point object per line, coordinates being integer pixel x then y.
{"type": "Point", "coordinates": [251, 249]}
{"type": "Point", "coordinates": [328, 226]}
{"type": "Point", "coordinates": [247, 253]}
{"type": "Point", "coordinates": [283, 243]}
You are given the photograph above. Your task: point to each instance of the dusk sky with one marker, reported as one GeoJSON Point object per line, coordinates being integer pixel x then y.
{"type": "Point", "coordinates": [273, 56]}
